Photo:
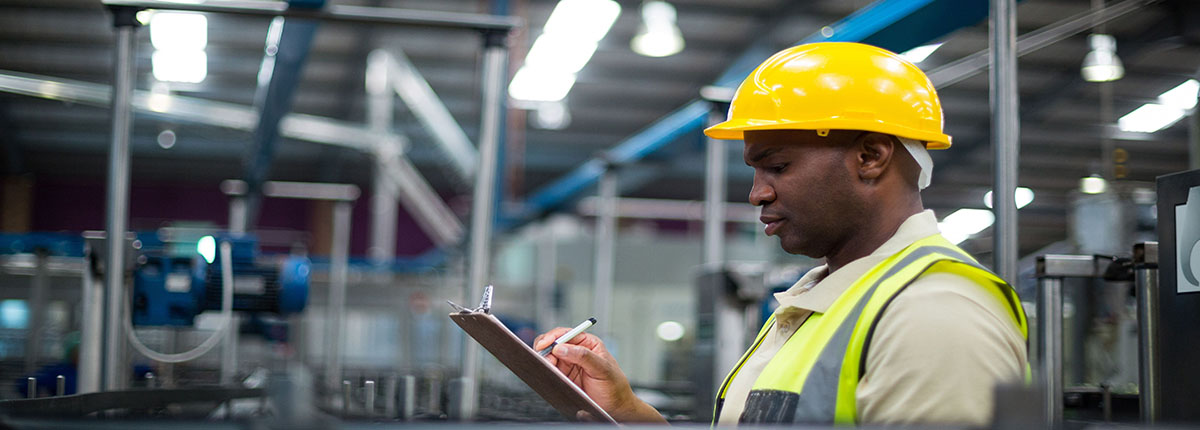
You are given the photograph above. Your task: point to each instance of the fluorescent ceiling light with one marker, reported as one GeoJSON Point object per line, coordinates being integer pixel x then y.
{"type": "Point", "coordinates": [1023, 196]}
{"type": "Point", "coordinates": [963, 223]}
{"type": "Point", "coordinates": [1181, 97]}
{"type": "Point", "coordinates": [540, 85]}
{"type": "Point", "coordinates": [552, 116]}
{"type": "Point", "coordinates": [920, 53]}
{"type": "Point", "coordinates": [559, 54]}
{"type": "Point", "coordinates": [178, 31]}
{"type": "Point", "coordinates": [586, 20]}
{"type": "Point", "coordinates": [1102, 64]}
{"type": "Point", "coordinates": [670, 331]}
{"type": "Point", "coordinates": [1149, 118]}
{"type": "Point", "coordinates": [1093, 185]}
{"type": "Point", "coordinates": [180, 66]}
{"type": "Point", "coordinates": [658, 36]}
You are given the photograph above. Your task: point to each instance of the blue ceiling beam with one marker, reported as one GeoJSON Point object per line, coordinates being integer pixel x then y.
{"type": "Point", "coordinates": [897, 25]}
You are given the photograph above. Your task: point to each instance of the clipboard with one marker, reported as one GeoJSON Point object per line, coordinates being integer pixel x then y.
{"type": "Point", "coordinates": [546, 380]}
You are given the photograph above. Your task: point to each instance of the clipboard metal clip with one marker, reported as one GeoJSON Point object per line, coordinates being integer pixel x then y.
{"type": "Point", "coordinates": [485, 303]}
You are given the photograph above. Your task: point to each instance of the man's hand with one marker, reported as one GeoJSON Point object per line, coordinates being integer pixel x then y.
{"type": "Point", "coordinates": [588, 364]}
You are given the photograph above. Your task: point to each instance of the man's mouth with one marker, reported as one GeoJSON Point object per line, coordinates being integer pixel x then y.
{"type": "Point", "coordinates": [772, 224]}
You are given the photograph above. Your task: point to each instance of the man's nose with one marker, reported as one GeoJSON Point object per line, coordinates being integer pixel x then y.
{"type": "Point", "coordinates": [761, 194]}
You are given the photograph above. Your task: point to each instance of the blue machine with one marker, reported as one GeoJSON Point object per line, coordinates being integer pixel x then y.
{"type": "Point", "coordinates": [171, 290]}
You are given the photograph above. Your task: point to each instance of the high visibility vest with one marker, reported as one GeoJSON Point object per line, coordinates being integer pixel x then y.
{"type": "Point", "coordinates": [814, 376]}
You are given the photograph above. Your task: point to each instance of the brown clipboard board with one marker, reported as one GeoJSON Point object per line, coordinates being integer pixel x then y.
{"type": "Point", "coordinates": [546, 380]}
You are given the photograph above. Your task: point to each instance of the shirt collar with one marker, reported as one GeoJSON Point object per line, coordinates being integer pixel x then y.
{"type": "Point", "coordinates": [818, 288]}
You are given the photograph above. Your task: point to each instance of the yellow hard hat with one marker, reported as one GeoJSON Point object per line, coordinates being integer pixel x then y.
{"type": "Point", "coordinates": [839, 86]}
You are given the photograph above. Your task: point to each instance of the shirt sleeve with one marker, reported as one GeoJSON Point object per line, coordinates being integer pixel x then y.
{"type": "Point", "coordinates": [937, 353]}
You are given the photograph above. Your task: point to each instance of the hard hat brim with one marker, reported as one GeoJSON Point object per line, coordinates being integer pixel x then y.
{"type": "Point", "coordinates": [734, 129]}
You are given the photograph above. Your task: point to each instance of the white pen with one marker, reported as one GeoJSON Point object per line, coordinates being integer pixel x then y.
{"type": "Point", "coordinates": [568, 336]}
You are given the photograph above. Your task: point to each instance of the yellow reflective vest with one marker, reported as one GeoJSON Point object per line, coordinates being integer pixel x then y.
{"type": "Point", "coordinates": [813, 377]}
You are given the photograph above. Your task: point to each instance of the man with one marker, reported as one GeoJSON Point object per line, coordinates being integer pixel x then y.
{"type": "Point", "coordinates": [899, 326]}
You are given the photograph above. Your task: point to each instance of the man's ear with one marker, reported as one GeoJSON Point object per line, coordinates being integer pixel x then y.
{"type": "Point", "coordinates": [874, 153]}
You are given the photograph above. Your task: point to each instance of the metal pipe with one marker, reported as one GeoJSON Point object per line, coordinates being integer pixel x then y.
{"type": "Point", "coordinates": [118, 194]}
{"type": "Point", "coordinates": [31, 388]}
{"type": "Point", "coordinates": [1005, 135]}
{"type": "Point", "coordinates": [237, 215]}
{"type": "Point", "coordinates": [346, 398]}
{"type": "Point", "coordinates": [336, 12]}
{"type": "Point", "coordinates": [389, 396]}
{"type": "Point", "coordinates": [37, 311]}
{"type": "Point", "coordinates": [495, 57]}
{"type": "Point", "coordinates": [715, 196]}
{"type": "Point", "coordinates": [339, 261]}
{"type": "Point", "coordinates": [1049, 328]}
{"type": "Point", "coordinates": [91, 336]}
{"type": "Point", "coordinates": [416, 93]}
{"type": "Point", "coordinates": [605, 262]}
{"type": "Point", "coordinates": [1149, 377]}
{"type": "Point", "coordinates": [408, 404]}
{"type": "Point", "coordinates": [60, 385]}
{"type": "Point", "coordinates": [369, 397]}
{"type": "Point", "coordinates": [229, 345]}
{"type": "Point", "coordinates": [380, 114]}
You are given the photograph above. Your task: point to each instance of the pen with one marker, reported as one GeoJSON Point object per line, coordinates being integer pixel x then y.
{"type": "Point", "coordinates": [568, 336]}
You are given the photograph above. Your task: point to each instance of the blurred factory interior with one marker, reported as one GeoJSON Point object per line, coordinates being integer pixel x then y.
{"type": "Point", "coordinates": [348, 166]}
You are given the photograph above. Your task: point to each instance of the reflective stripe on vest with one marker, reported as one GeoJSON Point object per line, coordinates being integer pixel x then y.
{"type": "Point", "coordinates": [813, 377]}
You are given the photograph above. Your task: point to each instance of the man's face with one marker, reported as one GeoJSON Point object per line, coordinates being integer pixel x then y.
{"type": "Point", "coordinates": [806, 188]}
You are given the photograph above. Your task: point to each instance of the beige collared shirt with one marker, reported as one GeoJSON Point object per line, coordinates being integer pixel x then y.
{"type": "Point", "coordinates": [939, 349]}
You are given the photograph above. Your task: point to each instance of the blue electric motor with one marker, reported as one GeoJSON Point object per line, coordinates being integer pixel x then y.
{"type": "Point", "coordinates": [172, 290]}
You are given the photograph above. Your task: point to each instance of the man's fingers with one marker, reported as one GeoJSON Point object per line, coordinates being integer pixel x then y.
{"type": "Point", "coordinates": [583, 357]}
{"type": "Point", "coordinates": [585, 416]}
{"type": "Point", "coordinates": [546, 338]}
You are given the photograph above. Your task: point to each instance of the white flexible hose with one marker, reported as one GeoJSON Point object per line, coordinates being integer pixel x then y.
{"type": "Point", "coordinates": [215, 337]}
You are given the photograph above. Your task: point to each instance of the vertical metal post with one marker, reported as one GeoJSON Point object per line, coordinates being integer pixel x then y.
{"type": "Point", "coordinates": [117, 217]}
{"type": "Point", "coordinates": [369, 397]}
{"type": "Point", "coordinates": [714, 197]}
{"type": "Point", "coordinates": [229, 349]}
{"type": "Point", "coordinates": [389, 396]}
{"type": "Point", "coordinates": [1146, 281]}
{"type": "Point", "coordinates": [408, 403]}
{"type": "Point", "coordinates": [237, 215]}
{"type": "Point", "coordinates": [60, 385]}
{"type": "Point", "coordinates": [1005, 134]}
{"type": "Point", "coordinates": [1049, 328]}
{"type": "Point", "coordinates": [37, 311]}
{"type": "Point", "coordinates": [495, 56]}
{"type": "Point", "coordinates": [384, 199]}
{"type": "Point", "coordinates": [31, 388]}
{"type": "Point", "coordinates": [339, 261]}
{"type": "Point", "coordinates": [91, 336]}
{"type": "Point", "coordinates": [346, 396]}
{"type": "Point", "coordinates": [605, 261]}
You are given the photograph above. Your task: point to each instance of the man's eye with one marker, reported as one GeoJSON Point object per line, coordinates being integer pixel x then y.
{"type": "Point", "coordinates": [777, 168]}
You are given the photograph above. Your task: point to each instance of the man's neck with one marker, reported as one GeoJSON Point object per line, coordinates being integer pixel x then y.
{"type": "Point", "coordinates": [869, 238]}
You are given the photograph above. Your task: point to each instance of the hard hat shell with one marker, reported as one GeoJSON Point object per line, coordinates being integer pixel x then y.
{"type": "Point", "coordinates": [839, 86]}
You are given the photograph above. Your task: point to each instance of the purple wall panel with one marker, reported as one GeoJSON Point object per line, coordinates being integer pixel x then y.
{"type": "Point", "coordinates": [63, 205]}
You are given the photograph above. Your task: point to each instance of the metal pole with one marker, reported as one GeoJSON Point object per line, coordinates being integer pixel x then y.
{"type": "Point", "coordinates": [1049, 322]}
{"type": "Point", "coordinates": [237, 215]}
{"type": "Point", "coordinates": [1005, 134]}
{"type": "Point", "coordinates": [37, 311]}
{"type": "Point", "coordinates": [30, 387]}
{"type": "Point", "coordinates": [229, 348]}
{"type": "Point", "coordinates": [606, 238]}
{"type": "Point", "coordinates": [91, 329]}
{"type": "Point", "coordinates": [1146, 280]}
{"type": "Point", "coordinates": [495, 56]}
{"type": "Point", "coordinates": [380, 112]}
{"type": "Point", "coordinates": [118, 193]}
{"type": "Point", "coordinates": [369, 397]}
{"type": "Point", "coordinates": [60, 385]}
{"type": "Point", "coordinates": [714, 197]}
{"type": "Point", "coordinates": [339, 261]}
